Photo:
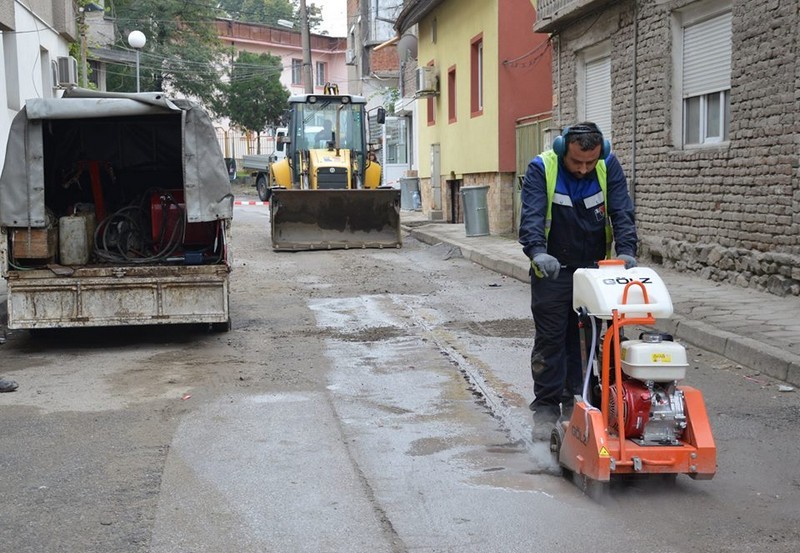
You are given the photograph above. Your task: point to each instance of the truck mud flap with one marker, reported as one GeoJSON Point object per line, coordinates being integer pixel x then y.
{"type": "Point", "coordinates": [335, 219]}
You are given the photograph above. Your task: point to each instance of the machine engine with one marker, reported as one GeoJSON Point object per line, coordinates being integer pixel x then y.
{"type": "Point", "coordinates": [653, 412]}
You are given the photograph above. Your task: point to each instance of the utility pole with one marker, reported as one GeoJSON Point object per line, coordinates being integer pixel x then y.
{"type": "Point", "coordinates": [305, 39]}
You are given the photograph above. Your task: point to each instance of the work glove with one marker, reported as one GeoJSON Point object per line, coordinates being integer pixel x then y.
{"type": "Point", "coordinates": [630, 261]}
{"type": "Point", "coordinates": [546, 266]}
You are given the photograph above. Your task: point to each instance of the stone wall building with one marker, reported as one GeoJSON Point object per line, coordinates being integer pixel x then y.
{"type": "Point", "coordinates": [704, 104]}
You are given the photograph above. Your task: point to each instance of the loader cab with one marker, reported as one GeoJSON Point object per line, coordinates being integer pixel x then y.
{"type": "Point", "coordinates": [313, 114]}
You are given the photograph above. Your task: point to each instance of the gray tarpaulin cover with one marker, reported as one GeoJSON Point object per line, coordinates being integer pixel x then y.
{"type": "Point", "coordinates": [206, 185]}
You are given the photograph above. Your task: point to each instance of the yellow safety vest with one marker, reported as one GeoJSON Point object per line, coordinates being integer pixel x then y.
{"type": "Point", "coordinates": [550, 160]}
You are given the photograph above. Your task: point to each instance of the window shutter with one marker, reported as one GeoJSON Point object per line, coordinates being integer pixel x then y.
{"type": "Point", "coordinates": [707, 56]}
{"type": "Point", "coordinates": [598, 94]}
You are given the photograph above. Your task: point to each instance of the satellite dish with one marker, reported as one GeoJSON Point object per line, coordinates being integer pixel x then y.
{"type": "Point", "coordinates": [407, 47]}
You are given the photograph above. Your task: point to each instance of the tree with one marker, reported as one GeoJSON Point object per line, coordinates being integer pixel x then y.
{"type": "Point", "coordinates": [256, 99]}
{"type": "Point", "coordinates": [268, 12]}
{"type": "Point", "coordinates": [182, 52]}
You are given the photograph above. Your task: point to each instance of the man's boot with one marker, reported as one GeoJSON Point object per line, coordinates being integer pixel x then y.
{"type": "Point", "coordinates": [544, 421]}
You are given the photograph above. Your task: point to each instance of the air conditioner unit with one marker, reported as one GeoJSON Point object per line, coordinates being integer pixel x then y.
{"type": "Point", "coordinates": [350, 57]}
{"type": "Point", "coordinates": [427, 81]}
{"type": "Point", "coordinates": [67, 71]}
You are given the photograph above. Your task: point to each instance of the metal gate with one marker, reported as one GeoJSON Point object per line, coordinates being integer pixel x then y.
{"type": "Point", "coordinates": [533, 136]}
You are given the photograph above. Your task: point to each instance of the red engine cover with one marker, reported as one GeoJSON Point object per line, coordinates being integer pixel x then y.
{"type": "Point", "coordinates": [636, 410]}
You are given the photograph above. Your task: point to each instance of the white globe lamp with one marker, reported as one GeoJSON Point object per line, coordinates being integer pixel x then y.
{"type": "Point", "coordinates": [137, 40]}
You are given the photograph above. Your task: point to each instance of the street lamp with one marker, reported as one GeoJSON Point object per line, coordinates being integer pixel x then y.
{"type": "Point", "coordinates": [137, 40]}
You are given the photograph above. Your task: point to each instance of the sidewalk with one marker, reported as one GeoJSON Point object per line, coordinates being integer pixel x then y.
{"type": "Point", "coordinates": [754, 329]}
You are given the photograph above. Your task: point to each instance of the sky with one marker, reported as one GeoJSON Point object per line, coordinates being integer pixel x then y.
{"type": "Point", "coordinates": [334, 16]}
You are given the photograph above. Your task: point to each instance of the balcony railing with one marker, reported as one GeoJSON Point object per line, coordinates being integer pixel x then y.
{"type": "Point", "coordinates": [553, 14]}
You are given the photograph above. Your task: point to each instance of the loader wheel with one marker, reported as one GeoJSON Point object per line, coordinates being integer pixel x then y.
{"type": "Point", "coordinates": [262, 186]}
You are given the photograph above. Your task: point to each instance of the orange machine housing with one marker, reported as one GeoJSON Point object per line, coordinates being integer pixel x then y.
{"type": "Point", "coordinates": [595, 448]}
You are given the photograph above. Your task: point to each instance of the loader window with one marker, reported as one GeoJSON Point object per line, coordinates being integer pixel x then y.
{"type": "Point", "coordinates": [346, 122]}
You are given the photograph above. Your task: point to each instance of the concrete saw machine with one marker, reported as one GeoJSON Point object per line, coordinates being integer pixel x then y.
{"type": "Point", "coordinates": [633, 417]}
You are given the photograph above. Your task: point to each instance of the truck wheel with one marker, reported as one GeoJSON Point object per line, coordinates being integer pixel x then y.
{"type": "Point", "coordinates": [262, 187]}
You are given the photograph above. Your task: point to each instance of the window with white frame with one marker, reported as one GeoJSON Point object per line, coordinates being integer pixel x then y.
{"type": "Point", "coordinates": [396, 140]}
{"type": "Point", "coordinates": [597, 94]}
{"type": "Point", "coordinates": [593, 80]}
{"type": "Point", "coordinates": [383, 14]}
{"type": "Point", "coordinates": [706, 80]}
{"type": "Point", "coordinates": [321, 71]}
{"type": "Point", "coordinates": [297, 71]}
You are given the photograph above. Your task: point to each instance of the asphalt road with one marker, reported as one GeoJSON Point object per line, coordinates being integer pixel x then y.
{"type": "Point", "coordinates": [370, 400]}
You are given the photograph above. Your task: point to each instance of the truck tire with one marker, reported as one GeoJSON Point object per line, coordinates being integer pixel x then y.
{"type": "Point", "coordinates": [262, 186]}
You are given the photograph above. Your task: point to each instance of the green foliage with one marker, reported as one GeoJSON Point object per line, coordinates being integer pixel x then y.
{"type": "Point", "coordinates": [314, 18]}
{"type": "Point", "coordinates": [268, 12]}
{"type": "Point", "coordinates": [390, 97]}
{"type": "Point", "coordinates": [256, 98]}
{"type": "Point", "coordinates": [182, 50]}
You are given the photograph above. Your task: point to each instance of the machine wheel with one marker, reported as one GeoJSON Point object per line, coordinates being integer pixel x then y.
{"type": "Point", "coordinates": [262, 186]}
{"type": "Point", "coordinates": [556, 439]}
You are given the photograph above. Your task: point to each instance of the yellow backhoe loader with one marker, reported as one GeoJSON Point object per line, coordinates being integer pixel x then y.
{"type": "Point", "coordinates": [326, 193]}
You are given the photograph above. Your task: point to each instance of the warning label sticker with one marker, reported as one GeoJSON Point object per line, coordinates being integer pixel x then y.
{"type": "Point", "coordinates": [604, 452]}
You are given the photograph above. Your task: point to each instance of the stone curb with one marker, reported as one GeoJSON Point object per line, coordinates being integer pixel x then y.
{"type": "Point", "coordinates": [745, 351]}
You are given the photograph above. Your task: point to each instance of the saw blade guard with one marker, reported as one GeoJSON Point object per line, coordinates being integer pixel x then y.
{"type": "Point", "coordinates": [601, 291]}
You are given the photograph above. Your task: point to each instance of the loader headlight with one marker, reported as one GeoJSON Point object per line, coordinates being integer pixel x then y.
{"type": "Point", "coordinates": [312, 99]}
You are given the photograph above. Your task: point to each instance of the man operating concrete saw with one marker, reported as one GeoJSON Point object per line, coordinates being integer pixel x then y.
{"type": "Point", "coordinates": [575, 207]}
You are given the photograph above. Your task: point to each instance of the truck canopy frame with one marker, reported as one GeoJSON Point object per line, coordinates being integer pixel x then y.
{"type": "Point", "coordinates": [137, 149]}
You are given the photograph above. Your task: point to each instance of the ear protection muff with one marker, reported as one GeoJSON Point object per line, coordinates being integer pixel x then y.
{"type": "Point", "coordinates": [560, 142]}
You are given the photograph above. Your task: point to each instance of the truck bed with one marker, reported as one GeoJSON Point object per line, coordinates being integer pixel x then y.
{"type": "Point", "coordinates": [114, 296]}
{"type": "Point", "coordinates": [256, 162]}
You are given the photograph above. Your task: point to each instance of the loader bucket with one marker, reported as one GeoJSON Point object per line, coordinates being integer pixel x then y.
{"type": "Point", "coordinates": [335, 219]}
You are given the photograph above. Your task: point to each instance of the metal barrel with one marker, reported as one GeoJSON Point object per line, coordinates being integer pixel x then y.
{"type": "Point", "coordinates": [335, 219]}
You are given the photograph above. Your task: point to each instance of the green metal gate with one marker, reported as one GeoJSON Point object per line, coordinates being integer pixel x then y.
{"type": "Point", "coordinates": [532, 136]}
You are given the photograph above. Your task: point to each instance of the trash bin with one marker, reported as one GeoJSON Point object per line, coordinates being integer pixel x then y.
{"type": "Point", "coordinates": [476, 210]}
{"type": "Point", "coordinates": [408, 185]}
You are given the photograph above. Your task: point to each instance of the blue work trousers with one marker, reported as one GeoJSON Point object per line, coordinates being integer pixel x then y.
{"type": "Point", "coordinates": [556, 356]}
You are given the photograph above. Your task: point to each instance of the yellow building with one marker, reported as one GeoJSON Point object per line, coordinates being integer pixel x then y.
{"type": "Point", "coordinates": [481, 72]}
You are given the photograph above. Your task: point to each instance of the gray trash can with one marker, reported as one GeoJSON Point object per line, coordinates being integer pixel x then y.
{"type": "Point", "coordinates": [476, 210]}
{"type": "Point", "coordinates": [408, 185]}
